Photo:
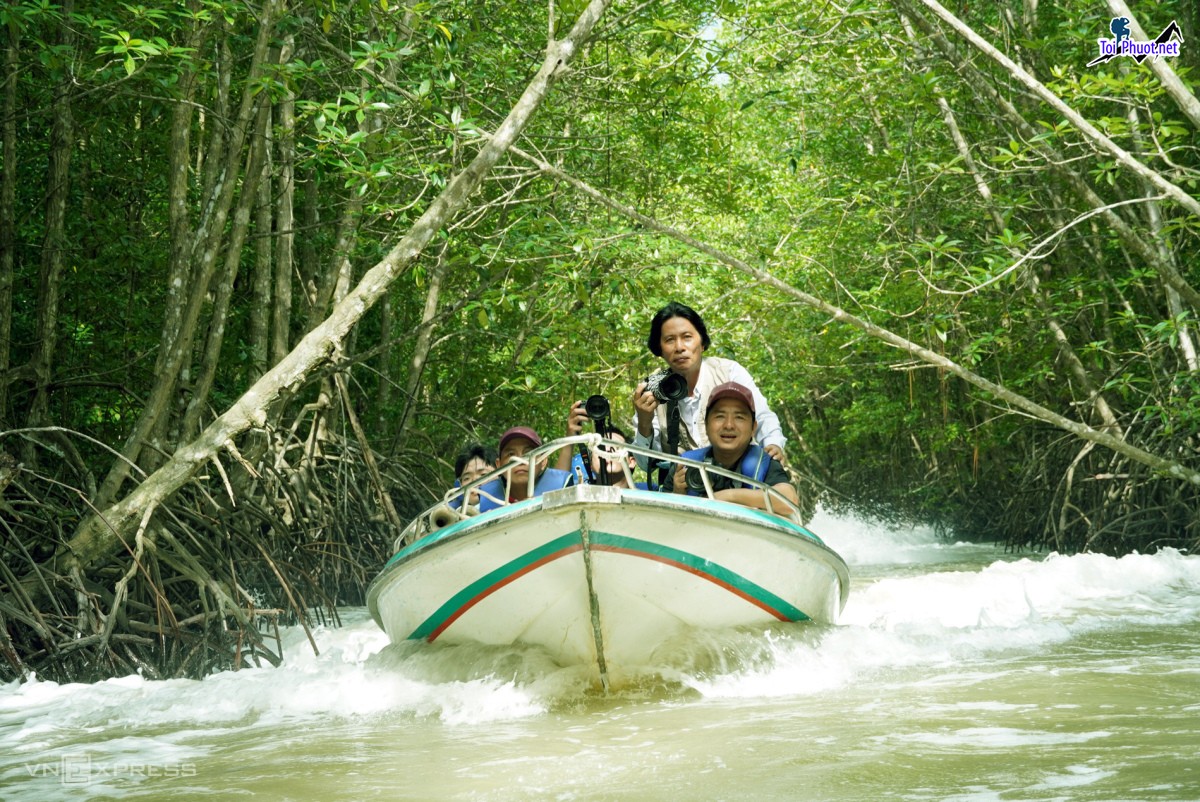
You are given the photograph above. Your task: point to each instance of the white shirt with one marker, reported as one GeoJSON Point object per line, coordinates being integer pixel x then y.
{"type": "Point", "coordinates": [768, 431]}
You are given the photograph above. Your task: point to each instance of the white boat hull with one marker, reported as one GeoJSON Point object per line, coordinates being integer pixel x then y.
{"type": "Point", "coordinates": [601, 577]}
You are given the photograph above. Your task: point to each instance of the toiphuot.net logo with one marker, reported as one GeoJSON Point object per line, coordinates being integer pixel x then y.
{"type": "Point", "coordinates": [1165, 44]}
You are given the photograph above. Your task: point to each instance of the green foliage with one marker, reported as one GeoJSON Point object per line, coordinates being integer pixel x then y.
{"type": "Point", "coordinates": [809, 142]}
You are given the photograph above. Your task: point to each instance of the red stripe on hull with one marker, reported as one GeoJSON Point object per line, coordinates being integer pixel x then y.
{"type": "Point", "coordinates": [483, 594]}
{"type": "Point", "coordinates": [759, 603]}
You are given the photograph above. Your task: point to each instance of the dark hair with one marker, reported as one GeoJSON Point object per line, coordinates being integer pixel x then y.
{"type": "Point", "coordinates": [614, 429]}
{"type": "Point", "coordinates": [674, 309]}
{"type": "Point", "coordinates": [473, 451]}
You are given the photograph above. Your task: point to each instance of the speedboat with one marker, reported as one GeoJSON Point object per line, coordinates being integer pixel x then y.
{"type": "Point", "coordinates": [602, 576]}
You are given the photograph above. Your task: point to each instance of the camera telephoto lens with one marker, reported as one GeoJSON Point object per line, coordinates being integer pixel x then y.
{"type": "Point", "coordinates": [667, 386]}
{"type": "Point", "coordinates": [596, 407]}
{"type": "Point", "coordinates": [694, 480]}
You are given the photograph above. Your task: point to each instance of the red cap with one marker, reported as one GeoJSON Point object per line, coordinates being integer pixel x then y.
{"type": "Point", "coordinates": [730, 390]}
{"type": "Point", "coordinates": [519, 431]}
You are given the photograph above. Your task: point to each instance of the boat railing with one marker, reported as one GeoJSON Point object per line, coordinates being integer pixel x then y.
{"type": "Point", "coordinates": [455, 505]}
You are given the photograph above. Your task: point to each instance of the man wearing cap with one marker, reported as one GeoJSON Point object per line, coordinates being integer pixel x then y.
{"type": "Point", "coordinates": [514, 445]}
{"type": "Point", "coordinates": [678, 335]}
{"type": "Point", "coordinates": [729, 423]}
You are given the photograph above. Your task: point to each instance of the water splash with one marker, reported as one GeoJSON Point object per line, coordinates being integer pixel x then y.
{"type": "Point", "coordinates": [914, 626]}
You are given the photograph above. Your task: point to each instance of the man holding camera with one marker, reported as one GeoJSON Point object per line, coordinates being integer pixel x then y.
{"type": "Point", "coordinates": [729, 422]}
{"type": "Point", "coordinates": [596, 410]}
{"type": "Point", "coordinates": [679, 336]}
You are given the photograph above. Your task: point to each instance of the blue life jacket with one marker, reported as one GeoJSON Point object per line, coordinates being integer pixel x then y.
{"type": "Point", "coordinates": [551, 479]}
{"type": "Point", "coordinates": [754, 464]}
{"type": "Point", "coordinates": [578, 469]}
{"type": "Point", "coordinates": [580, 474]}
{"type": "Point", "coordinates": [456, 503]}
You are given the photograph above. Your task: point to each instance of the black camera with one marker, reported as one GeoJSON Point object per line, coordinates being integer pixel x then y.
{"type": "Point", "coordinates": [596, 407]}
{"type": "Point", "coordinates": [695, 482]}
{"type": "Point", "coordinates": [667, 386]}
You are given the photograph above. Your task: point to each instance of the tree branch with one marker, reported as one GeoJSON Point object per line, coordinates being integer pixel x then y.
{"type": "Point", "coordinates": [1168, 467]}
{"type": "Point", "coordinates": [1090, 131]}
{"type": "Point", "coordinates": [100, 534]}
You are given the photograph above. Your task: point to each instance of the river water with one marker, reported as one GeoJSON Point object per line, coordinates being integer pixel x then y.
{"type": "Point", "coordinates": [957, 672]}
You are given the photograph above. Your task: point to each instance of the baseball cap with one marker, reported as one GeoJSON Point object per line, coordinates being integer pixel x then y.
{"type": "Point", "coordinates": [730, 390]}
{"type": "Point", "coordinates": [519, 431]}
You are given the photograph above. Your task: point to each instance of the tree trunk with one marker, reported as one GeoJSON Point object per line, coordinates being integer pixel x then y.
{"type": "Point", "coordinates": [255, 169]}
{"type": "Point", "coordinates": [334, 284]}
{"type": "Point", "coordinates": [422, 347]}
{"type": "Point", "coordinates": [258, 336]}
{"type": "Point", "coordinates": [179, 279]}
{"type": "Point", "coordinates": [1081, 124]}
{"type": "Point", "coordinates": [1177, 89]}
{"type": "Point", "coordinates": [100, 534]}
{"type": "Point", "coordinates": [338, 264]}
{"type": "Point", "coordinates": [1061, 340]}
{"type": "Point", "coordinates": [1186, 344]}
{"type": "Point", "coordinates": [206, 249]}
{"type": "Point", "coordinates": [308, 264]}
{"type": "Point", "coordinates": [285, 222]}
{"type": "Point", "coordinates": [8, 194]}
{"type": "Point", "coordinates": [54, 241]}
{"type": "Point", "coordinates": [1057, 162]}
{"type": "Point", "coordinates": [383, 367]}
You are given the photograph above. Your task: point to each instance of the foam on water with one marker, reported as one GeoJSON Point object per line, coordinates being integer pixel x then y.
{"type": "Point", "coordinates": [870, 542]}
{"type": "Point", "coordinates": [931, 626]}
{"type": "Point", "coordinates": [948, 622]}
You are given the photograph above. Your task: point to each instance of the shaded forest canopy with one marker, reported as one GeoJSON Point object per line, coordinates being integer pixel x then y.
{"type": "Point", "coordinates": [265, 267]}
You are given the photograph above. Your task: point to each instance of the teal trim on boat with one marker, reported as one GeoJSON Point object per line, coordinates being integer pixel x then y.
{"type": "Point", "coordinates": [480, 589]}
{"type": "Point", "coordinates": [458, 526]}
{"type": "Point", "coordinates": [453, 529]}
{"type": "Point", "coordinates": [762, 516]}
{"type": "Point", "coordinates": [735, 582]}
{"type": "Point", "coordinates": [492, 581]}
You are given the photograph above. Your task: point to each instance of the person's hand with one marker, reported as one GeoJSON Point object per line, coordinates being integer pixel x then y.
{"type": "Point", "coordinates": [645, 403]}
{"type": "Point", "coordinates": [680, 480]}
{"type": "Point", "coordinates": [576, 418]}
{"type": "Point", "coordinates": [776, 452]}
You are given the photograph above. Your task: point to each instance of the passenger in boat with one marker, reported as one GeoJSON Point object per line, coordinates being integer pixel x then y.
{"type": "Point", "coordinates": [729, 422]}
{"type": "Point", "coordinates": [577, 418]}
{"type": "Point", "coordinates": [616, 474]}
{"type": "Point", "coordinates": [472, 462]}
{"type": "Point", "coordinates": [679, 336]}
{"type": "Point", "coordinates": [613, 460]}
{"type": "Point", "coordinates": [514, 486]}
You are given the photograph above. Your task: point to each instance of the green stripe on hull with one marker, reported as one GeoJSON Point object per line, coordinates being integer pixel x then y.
{"type": "Point", "coordinates": [703, 504]}
{"type": "Point", "coordinates": [754, 592]}
{"type": "Point", "coordinates": [480, 589]}
{"type": "Point", "coordinates": [466, 598]}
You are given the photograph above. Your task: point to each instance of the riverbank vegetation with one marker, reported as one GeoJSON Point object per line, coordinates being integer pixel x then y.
{"type": "Point", "coordinates": [265, 267]}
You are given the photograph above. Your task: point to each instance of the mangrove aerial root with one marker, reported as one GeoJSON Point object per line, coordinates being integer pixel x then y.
{"type": "Point", "coordinates": [285, 536]}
